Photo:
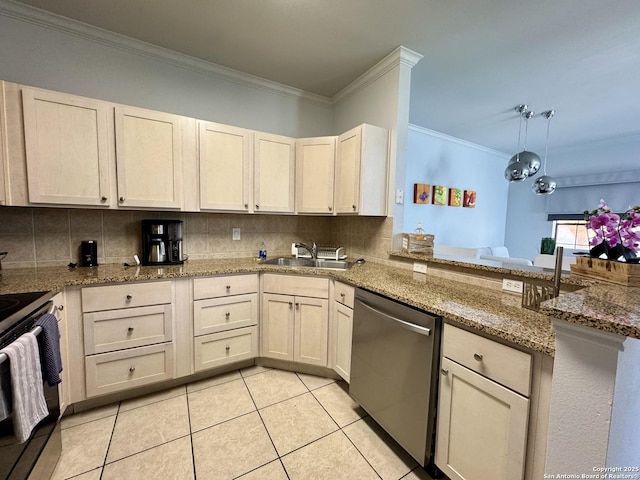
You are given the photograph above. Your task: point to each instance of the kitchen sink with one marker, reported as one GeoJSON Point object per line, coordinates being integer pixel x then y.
{"type": "Point", "coordinates": [310, 263]}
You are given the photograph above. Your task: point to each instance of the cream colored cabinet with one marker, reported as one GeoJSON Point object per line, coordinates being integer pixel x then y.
{"type": "Point", "coordinates": [361, 171]}
{"type": "Point", "coordinates": [315, 171]}
{"type": "Point", "coordinates": [148, 158]}
{"type": "Point", "coordinates": [67, 148]}
{"type": "Point", "coordinates": [225, 167]}
{"type": "Point", "coordinates": [225, 320]}
{"type": "Point", "coordinates": [483, 408]}
{"type": "Point", "coordinates": [295, 319]}
{"type": "Point", "coordinates": [128, 336]}
{"type": "Point", "coordinates": [274, 173]}
{"type": "Point", "coordinates": [341, 329]}
{"type": "Point", "coordinates": [4, 164]}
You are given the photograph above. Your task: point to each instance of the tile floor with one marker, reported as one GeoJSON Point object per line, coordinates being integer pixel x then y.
{"type": "Point", "coordinates": [254, 423]}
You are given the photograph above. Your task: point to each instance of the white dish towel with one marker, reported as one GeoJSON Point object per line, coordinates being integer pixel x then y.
{"type": "Point", "coordinates": [29, 405]}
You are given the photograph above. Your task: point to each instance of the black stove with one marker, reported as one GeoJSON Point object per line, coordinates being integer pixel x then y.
{"type": "Point", "coordinates": [14, 307]}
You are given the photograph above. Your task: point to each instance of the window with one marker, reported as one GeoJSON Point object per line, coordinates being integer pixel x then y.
{"type": "Point", "coordinates": [571, 234]}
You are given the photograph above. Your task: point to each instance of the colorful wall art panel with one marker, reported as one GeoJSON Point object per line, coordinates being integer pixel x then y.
{"type": "Point", "coordinates": [455, 197]}
{"type": "Point", "coordinates": [439, 195]}
{"type": "Point", "coordinates": [421, 193]}
{"type": "Point", "coordinates": [469, 199]}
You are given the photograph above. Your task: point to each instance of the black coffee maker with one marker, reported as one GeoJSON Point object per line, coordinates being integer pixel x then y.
{"type": "Point", "coordinates": [162, 242]}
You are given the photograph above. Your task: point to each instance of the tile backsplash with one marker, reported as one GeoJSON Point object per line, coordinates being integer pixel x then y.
{"type": "Point", "coordinates": [52, 236]}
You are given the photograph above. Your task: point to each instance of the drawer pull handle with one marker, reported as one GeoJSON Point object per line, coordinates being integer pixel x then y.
{"type": "Point", "coordinates": [444, 371]}
{"type": "Point", "coordinates": [130, 330]}
{"type": "Point", "coordinates": [132, 369]}
{"type": "Point", "coordinates": [129, 298]}
{"type": "Point", "coordinates": [228, 287]}
{"type": "Point", "coordinates": [227, 315]}
{"type": "Point", "coordinates": [477, 356]}
{"type": "Point", "coordinates": [227, 348]}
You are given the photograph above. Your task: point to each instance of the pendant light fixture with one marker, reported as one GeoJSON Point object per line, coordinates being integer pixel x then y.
{"type": "Point", "coordinates": [519, 167]}
{"type": "Point", "coordinates": [545, 185]}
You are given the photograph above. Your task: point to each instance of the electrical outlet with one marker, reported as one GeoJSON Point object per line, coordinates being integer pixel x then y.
{"type": "Point", "coordinates": [515, 286]}
{"type": "Point", "coordinates": [419, 267]}
{"type": "Point", "coordinates": [399, 196]}
{"type": "Point", "coordinates": [235, 235]}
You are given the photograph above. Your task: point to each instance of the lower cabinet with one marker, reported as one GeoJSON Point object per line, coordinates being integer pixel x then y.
{"type": "Point", "coordinates": [482, 418]}
{"type": "Point", "coordinates": [295, 319]}
{"type": "Point", "coordinates": [341, 329]}
{"type": "Point", "coordinates": [218, 349]}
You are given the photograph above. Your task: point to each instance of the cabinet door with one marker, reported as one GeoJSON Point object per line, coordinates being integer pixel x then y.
{"type": "Point", "coordinates": [225, 167]}
{"type": "Point", "coordinates": [315, 168]}
{"type": "Point", "coordinates": [361, 171]}
{"type": "Point", "coordinates": [482, 427]}
{"type": "Point", "coordinates": [342, 331]}
{"type": "Point", "coordinates": [277, 326]}
{"type": "Point", "coordinates": [274, 170]}
{"type": "Point", "coordinates": [67, 148]}
{"type": "Point", "coordinates": [148, 158]}
{"type": "Point", "coordinates": [311, 330]}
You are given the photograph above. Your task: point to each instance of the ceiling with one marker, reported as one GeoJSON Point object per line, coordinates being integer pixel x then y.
{"type": "Point", "coordinates": [481, 57]}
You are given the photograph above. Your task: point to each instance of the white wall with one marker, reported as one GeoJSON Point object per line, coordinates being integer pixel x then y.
{"type": "Point", "coordinates": [44, 57]}
{"type": "Point", "coordinates": [526, 214]}
{"type": "Point", "coordinates": [438, 159]}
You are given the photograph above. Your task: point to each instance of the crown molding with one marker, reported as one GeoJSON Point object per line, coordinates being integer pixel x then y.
{"type": "Point", "coordinates": [459, 141]}
{"type": "Point", "coordinates": [400, 56]}
{"type": "Point", "coordinates": [101, 36]}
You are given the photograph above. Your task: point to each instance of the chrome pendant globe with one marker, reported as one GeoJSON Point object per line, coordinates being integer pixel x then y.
{"type": "Point", "coordinates": [516, 171]}
{"type": "Point", "coordinates": [530, 159]}
{"type": "Point", "coordinates": [545, 185]}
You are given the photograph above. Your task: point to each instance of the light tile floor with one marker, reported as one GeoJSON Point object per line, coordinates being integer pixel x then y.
{"type": "Point", "coordinates": [254, 423]}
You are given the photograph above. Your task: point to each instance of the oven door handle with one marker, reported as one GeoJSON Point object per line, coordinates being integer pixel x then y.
{"type": "Point", "coordinates": [406, 325]}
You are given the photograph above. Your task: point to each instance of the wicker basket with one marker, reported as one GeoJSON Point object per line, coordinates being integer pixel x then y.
{"type": "Point", "coordinates": [620, 273]}
{"type": "Point", "coordinates": [417, 243]}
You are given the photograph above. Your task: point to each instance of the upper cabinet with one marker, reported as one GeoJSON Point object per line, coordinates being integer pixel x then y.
{"type": "Point", "coordinates": [67, 148]}
{"type": "Point", "coordinates": [315, 167]}
{"type": "Point", "coordinates": [274, 170]}
{"type": "Point", "coordinates": [361, 171]}
{"type": "Point", "coordinates": [148, 158]}
{"type": "Point", "coordinates": [225, 167]}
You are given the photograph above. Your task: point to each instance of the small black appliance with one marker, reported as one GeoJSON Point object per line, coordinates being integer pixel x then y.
{"type": "Point", "coordinates": [89, 253]}
{"type": "Point", "coordinates": [162, 242]}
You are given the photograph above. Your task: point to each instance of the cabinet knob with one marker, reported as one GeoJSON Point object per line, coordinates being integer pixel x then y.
{"type": "Point", "coordinates": [290, 304]}
{"type": "Point", "coordinates": [297, 305]}
{"type": "Point", "coordinates": [477, 356]}
{"type": "Point", "coordinates": [132, 369]}
{"type": "Point", "coordinates": [129, 298]}
{"type": "Point", "coordinates": [227, 315]}
{"type": "Point", "coordinates": [330, 209]}
{"type": "Point", "coordinates": [130, 330]}
{"type": "Point", "coordinates": [342, 294]}
{"type": "Point", "coordinates": [60, 307]}
{"type": "Point", "coordinates": [227, 348]}
{"type": "Point", "coordinates": [444, 371]}
{"type": "Point", "coordinates": [257, 207]}
{"type": "Point", "coordinates": [103, 199]}
{"type": "Point", "coordinates": [121, 199]}
{"type": "Point", "coordinates": [354, 207]}
{"type": "Point", "coordinates": [228, 287]}
{"type": "Point", "coordinates": [246, 206]}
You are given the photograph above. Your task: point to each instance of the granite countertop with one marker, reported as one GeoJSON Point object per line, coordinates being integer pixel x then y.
{"type": "Point", "coordinates": [504, 268]}
{"type": "Point", "coordinates": [611, 308]}
{"type": "Point", "coordinates": [493, 312]}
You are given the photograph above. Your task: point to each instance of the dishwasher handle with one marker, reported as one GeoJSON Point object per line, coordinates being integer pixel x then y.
{"type": "Point", "coordinates": [406, 325]}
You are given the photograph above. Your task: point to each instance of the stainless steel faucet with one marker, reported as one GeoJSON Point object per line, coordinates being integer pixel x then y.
{"type": "Point", "coordinates": [313, 250]}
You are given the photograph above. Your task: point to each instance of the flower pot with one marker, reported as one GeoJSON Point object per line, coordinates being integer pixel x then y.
{"type": "Point", "coordinates": [620, 273]}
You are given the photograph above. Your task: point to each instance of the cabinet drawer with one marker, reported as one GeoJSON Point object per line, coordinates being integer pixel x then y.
{"type": "Point", "coordinates": [344, 294]}
{"type": "Point", "coordinates": [295, 285]}
{"type": "Point", "coordinates": [125, 369]}
{"type": "Point", "coordinates": [220, 314]}
{"type": "Point", "coordinates": [226, 347]}
{"type": "Point", "coordinates": [224, 286]}
{"type": "Point", "coordinates": [505, 365]}
{"type": "Point", "coordinates": [110, 297]}
{"type": "Point", "coordinates": [126, 328]}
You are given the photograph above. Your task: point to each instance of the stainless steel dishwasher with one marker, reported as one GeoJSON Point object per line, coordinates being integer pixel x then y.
{"type": "Point", "coordinates": [394, 362]}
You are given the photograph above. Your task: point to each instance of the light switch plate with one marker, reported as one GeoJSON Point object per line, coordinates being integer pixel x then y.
{"type": "Point", "coordinates": [510, 285]}
{"type": "Point", "coordinates": [419, 267]}
{"type": "Point", "coordinates": [235, 234]}
{"type": "Point", "coordinates": [399, 196]}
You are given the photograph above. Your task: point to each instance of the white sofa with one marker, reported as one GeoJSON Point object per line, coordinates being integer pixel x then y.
{"type": "Point", "coordinates": [498, 253]}
{"type": "Point", "coordinates": [549, 261]}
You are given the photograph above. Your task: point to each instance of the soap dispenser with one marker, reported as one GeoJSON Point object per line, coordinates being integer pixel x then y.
{"type": "Point", "coordinates": [263, 251]}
